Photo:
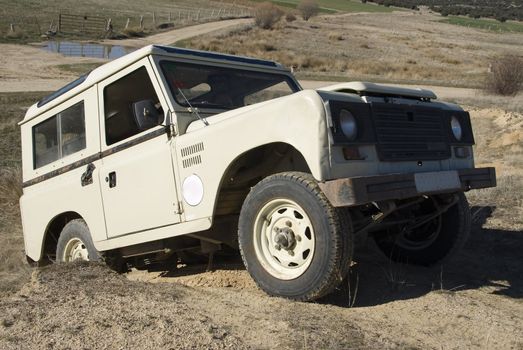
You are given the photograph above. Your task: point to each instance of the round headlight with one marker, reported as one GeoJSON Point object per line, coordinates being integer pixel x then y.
{"type": "Point", "coordinates": [348, 125]}
{"type": "Point", "coordinates": [455, 125]}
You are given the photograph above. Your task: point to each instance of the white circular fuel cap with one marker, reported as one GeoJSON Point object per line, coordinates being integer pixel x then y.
{"type": "Point", "coordinates": [192, 190]}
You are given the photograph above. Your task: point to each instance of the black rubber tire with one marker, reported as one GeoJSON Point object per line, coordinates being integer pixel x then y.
{"type": "Point", "coordinates": [76, 229]}
{"type": "Point", "coordinates": [454, 232]}
{"type": "Point", "coordinates": [333, 236]}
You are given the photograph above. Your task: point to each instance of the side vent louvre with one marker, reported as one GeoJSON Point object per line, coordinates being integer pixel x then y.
{"type": "Point", "coordinates": [189, 162]}
{"type": "Point", "coordinates": [187, 151]}
{"type": "Point", "coordinates": [190, 156]}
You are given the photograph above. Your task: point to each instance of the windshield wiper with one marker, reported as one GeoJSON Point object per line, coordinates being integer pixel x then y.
{"type": "Point", "coordinates": [192, 109]}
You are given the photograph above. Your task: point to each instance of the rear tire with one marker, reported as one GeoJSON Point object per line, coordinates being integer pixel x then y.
{"type": "Point", "coordinates": [75, 243]}
{"type": "Point", "coordinates": [432, 243]}
{"type": "Point", "coordinates": [293, 243]}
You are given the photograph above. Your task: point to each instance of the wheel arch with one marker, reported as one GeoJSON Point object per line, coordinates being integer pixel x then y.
{"type": "Point", "coordinates": [250, 167]}
{"type": "Point", "coordinates": [52, 233]}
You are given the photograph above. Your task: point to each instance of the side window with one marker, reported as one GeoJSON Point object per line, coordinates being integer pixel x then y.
{"type": "Point", "coordinates": [59, 136]}
{"type": "Point", "coordinates": [45, 142]}
{"type": "Point", "coordinates": [72, 123]}
{"type": "Point", "coordinates": [120, 98]}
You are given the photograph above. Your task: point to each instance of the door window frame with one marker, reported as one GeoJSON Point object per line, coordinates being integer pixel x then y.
{"type": "Point", "coordinates": [144, 62]}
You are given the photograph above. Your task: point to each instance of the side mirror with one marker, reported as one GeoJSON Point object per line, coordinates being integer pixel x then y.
{"type": "Point", "coordinates": [146, 114]}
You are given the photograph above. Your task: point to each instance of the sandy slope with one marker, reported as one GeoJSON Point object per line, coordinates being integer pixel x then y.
{"type": "Point", "coordinates": [474, 302]}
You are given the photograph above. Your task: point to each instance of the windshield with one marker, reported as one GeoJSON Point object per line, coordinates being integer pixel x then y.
{"type": "Point", "coordinates": [223, 88]}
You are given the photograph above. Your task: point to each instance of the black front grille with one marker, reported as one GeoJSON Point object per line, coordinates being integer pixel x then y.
{"type": "Point", "coordinates": [410, 133]}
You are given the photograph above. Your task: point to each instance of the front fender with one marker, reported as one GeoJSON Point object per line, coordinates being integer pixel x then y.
{"type": "Point", "coordinates": [207, 151]}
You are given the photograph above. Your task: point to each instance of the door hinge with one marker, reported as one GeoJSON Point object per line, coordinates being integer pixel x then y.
{"type": "Point", "coordinates": [179, 208]}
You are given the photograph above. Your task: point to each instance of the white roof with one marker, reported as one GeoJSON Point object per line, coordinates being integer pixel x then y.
{"type": "Point", "coordinates": [110, 68]}
{"type": "Point", "coordinates": [360, 88]}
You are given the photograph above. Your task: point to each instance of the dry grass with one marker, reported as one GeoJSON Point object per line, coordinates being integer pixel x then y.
{"type": "Point", "coordinates": [399, 47]}
{"type": "Point", "coordinates": [13, 269]}
{"type": "Point", "coordinates": [290, 17]}
{"type": "Point", "coordinates": [35, 17]}
{"type": "Point", "coordinates": [335, 36]}
{"type": "Point", "coordinates": [16, 34]}
{"type": "Point", "coordinates": [133, 32]}
{"type": "Point", "coordinates": [499, 137]}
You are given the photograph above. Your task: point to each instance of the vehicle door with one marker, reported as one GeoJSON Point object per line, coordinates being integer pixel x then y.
{"type": "Point", "coordinates": [137, 175]}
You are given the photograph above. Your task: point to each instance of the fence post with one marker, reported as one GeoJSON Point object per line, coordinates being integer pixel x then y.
{"type": "Point", "coordinates": [154, 18]}
{"type": "Point", "coordinates": [109, 25]}
{"type": "Point", "coordinates": [170, 18]}
{"type": "Point", "coordinates": [12, 27]}
{"type": "Point", "coordinates": [127, 23]}
{"type": "Point", "coordinates": [141, 22]}
{"type": "Point", "coordinates": [59, 22]}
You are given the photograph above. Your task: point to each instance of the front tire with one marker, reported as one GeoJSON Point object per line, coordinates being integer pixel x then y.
{"type": "Point", "coordinates": [432, 243]}
{"type": "Point", "coordinates": [293, 243]}
{"type": "Point", "coordinates": [75, 243]}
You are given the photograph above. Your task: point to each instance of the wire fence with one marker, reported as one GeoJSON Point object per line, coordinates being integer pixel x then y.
{"type": "Point", "coordinates": [100, 24]}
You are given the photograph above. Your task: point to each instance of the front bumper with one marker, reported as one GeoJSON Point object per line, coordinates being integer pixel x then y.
{"type": "Point", "coordinates": [355, 191]}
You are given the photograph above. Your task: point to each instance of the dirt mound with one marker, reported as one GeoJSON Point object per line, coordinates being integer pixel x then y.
{"type": "Point", "coordinates": [198, 276]}
{"type": "Point", "coordinates": [70, 307]}
{"type": "Point", "coordinates": [87, 305]}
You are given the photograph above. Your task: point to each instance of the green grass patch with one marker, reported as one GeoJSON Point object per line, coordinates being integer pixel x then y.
{"type": "Point", "coordinates": [331, 6]}
{"type": "Point", "coordinates": [486, 24]}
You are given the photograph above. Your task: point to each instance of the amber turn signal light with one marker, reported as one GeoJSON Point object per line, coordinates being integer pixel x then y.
{"type": "Point", "coordinates": [352, 153]}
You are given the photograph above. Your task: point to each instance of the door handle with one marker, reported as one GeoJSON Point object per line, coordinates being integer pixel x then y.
{"type": "Point", "coordinates": [111, 179]}
{"type": "Point", "coordinates": [87, 176]}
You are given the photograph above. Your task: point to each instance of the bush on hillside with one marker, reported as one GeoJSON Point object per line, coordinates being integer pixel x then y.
{"type": "Point", "coordinates": [308, 9]}
{"type": "Point", "coordinates": [506, 75]}
{"type": "Point", "coordinates": [266, 15]}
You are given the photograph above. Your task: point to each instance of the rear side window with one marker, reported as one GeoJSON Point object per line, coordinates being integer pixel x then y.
{"type": "Point", "coordinates": [59, 136]}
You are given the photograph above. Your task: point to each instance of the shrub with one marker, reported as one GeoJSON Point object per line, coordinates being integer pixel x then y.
{"type": "Point", "coordinates": [133, 32]}
{"type": "Point", "coordinates": [506, 76]}
{"type": "Point", "coordinates": [335, 36]}
{"type": "Point", "coordinates": [308, 9]}
{"type": "Point", "coordinates": [289, 17]}
{"type": "Point", "coordinates": [266, 15]}
{"type": "Point", "coordinates": [15, 34]}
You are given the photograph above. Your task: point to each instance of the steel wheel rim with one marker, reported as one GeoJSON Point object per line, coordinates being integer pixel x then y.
{"type": "Point", "coordinates": [429, 234]}
{"type": "Point", "coordinates": [284, 217]}
{"type": "Point", "coordinates": [75, 250]}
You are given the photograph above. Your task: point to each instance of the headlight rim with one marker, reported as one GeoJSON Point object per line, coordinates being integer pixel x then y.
{"type": "Point", "coordinates": [349, 127]}
{"type": "Point", "coordinates": [456, 127]}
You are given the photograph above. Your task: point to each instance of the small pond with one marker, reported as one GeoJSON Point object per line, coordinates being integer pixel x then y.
{"type": "Point", "coordinates": [70, 48]}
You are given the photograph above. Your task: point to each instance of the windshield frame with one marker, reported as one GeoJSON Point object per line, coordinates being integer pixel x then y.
{"type": "Point", "coordinates": [285, 76]}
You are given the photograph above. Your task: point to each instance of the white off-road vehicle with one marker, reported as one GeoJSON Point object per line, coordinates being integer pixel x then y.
{"type": "Point", "coordinates": [169, 152]}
